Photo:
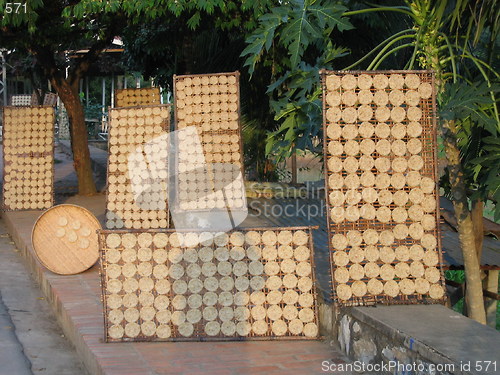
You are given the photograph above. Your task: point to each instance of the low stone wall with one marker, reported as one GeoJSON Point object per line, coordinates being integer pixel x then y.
{"type": "Point", "coordinates": [411, 339]}
{"type": "Point", "coordinates": [366, 343]}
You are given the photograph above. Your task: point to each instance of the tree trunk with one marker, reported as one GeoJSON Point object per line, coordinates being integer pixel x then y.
{"type": "Point", "coordinates": [294, 169]}
{"type": "Point", "coordinates": [78, 129]}
{"type": "Point", "coordinates": [477, 221]}
{"type": "Point", "coordinates": [491, 304]}
{"type": "Point", "coordinates": [474, 290]}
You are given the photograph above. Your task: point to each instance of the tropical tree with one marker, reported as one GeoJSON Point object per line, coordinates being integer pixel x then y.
{"type": "Point", "coordinates": [47, 32]}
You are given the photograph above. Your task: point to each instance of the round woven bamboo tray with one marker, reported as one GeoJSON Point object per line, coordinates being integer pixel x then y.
{"type": "Point", "coordinates": [61, 248]}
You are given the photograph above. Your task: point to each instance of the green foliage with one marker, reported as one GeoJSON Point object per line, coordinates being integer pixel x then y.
{"type": "Point", "coordinates": [455, 275]}
{"type": "Point", "coordinates": [18, 17]}
{"type": "Point", "coordinates": [459, 277]}
{"type": "Point", "coordinates": [262, 39]}
{"type": "Point", "coordinates": [94, 110]}
{"type": "Point", "coordinates": [463, 101]}
{"type": "Point", "coordinates": [227, 14]}
{"type": "Point", "coordinates": [295, 25]}
{"type": "Point", "coordinates": [150, 50]}
{"type": "Point", "coordinates": [257, 166]}
{"type": "Point", "coordinates": [294, 38]}
{"type": "Point", "coordinates": [49, 29]}
{"type": "Point", "coordinates": [299, 112]}
{"type": "Point", "coordinates": [487, 171]}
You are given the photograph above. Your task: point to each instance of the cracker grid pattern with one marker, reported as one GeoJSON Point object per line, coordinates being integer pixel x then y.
{"type": "Point", "coordinates": [381, 170]}
{"type": "Point", "coordinates": [50, 99]}
{"type": "Point", "coordinates": [210, 103]}
{"type": "Point", "coordinates": [137, 170]}
{"type": "Point", "coordinates": [28, 154]}
{"type": "Point", "coordinates": [21, 100]}
{"type": "Point", "coordinates": [137, 96]}
{"type": "Point", "coordinates": [246, 284]}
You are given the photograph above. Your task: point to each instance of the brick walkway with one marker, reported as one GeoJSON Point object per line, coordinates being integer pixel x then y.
{"type": "Point", "coordinates": [77, 303]}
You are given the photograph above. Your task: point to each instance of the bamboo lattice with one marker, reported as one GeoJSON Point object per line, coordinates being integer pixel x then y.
{"type": "Point", "coordinates": [137, 97]}
{"type": "Point", "coordinates": [21, 100]}
{"type": "Point", "coordinates": [244, 285]}
{"type": "Point", "coordinates": [50, 99]}
{"type": "Point", "coordinates": [28, 155]}
{"type": "Point", "coordinates": [209, 165]}
{"type": "Point", "coordinates": [383, 208]}
{"type": "Point", "coordinates": [137, 191]}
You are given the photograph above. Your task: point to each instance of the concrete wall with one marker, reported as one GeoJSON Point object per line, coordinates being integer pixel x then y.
{"type": "Point", "coordinates": [411, 339]}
